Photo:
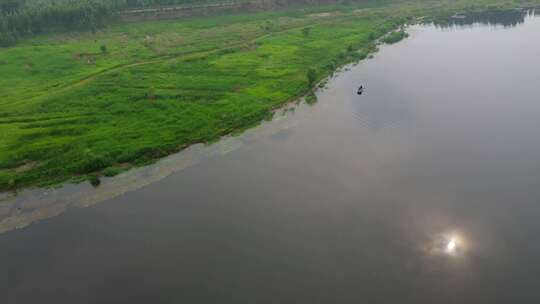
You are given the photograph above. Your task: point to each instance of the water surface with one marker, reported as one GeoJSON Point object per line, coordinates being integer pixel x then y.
{"type": "Point", "coordinates": [422, 190]}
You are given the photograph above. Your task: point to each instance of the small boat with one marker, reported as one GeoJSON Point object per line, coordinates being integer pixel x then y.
{"type": "Point", "coordinates": [360, 90]}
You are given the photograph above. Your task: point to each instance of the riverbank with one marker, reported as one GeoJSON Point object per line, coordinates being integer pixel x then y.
{"type": "Point", "coordinates": [80, 106]}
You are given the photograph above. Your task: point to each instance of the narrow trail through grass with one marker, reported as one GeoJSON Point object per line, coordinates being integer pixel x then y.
{"type": "Point", "coordinates": [162, 58]}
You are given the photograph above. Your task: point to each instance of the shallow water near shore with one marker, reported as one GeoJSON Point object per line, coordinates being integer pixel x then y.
{"type": "Point", "coordinates": [421, 190]}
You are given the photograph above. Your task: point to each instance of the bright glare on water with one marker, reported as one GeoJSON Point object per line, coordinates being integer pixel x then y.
{"type": "Point", "coordinates": [451, 247]}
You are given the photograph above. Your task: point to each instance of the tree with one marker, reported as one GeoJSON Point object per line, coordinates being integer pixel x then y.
{"type": "Point", "coordinates": [20, 18]}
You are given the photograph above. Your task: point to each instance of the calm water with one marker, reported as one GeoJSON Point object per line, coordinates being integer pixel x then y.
{"type": "Point", "coordinates": [423, 190]}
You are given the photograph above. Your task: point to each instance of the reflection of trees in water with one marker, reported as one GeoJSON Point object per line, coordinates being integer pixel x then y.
{"type": "Point", "coordinates": [510, 18]}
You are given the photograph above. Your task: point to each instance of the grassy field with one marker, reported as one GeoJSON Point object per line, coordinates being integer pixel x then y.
{"type": "Point", "coordinates": [80, 105]}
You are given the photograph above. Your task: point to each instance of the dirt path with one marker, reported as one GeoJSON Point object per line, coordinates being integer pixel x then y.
{"type": "Point", "coordinates": [181, 7]}
{"type": "Point", "coordinates": [162, 58]}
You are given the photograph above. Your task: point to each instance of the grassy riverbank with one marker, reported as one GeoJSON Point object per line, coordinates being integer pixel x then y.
{"type": "Point", "coordinates": [75, 106]}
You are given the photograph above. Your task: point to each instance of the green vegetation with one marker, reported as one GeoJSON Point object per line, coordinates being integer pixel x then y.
{"type": "Point", "coordinates": [305, 31]}
{"type": "Point", "coordinates": [71, 109]}
{"type": "Point", "coordinates": [311, 76]}
{"type": "Point", "coordinates": [20, 18]}
{"type": "Point", "coordinates": [24, 18]}
{"type": "Point", "coordinates": [311, 98]}
{"type": "Point", "coordinates": [395, 36]}
{"type": "Point", "coordinates": [95, 181]}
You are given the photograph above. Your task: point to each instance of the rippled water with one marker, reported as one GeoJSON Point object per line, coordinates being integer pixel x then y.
{"type": "Point", "coordinates": [422, 190]}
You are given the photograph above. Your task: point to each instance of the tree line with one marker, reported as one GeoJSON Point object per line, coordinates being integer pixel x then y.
{"type": "Point", "coordinates": [21, 18]}
{"type": "Point", "coordinates": [27, 17]}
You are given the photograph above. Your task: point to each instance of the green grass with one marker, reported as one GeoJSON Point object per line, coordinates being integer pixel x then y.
{"type": "Point", "coordinates": [70, 111]}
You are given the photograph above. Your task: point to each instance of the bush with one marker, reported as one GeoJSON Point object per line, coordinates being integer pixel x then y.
{"type": "Point", "coordinates": [93, 164]}
{"type": "Point", "coordinates": [311, 76]}
{"type": "Point", "coordinates": [103, 48]}
{"type": "Point", "coordinates": [151, 94]}
{"type": "Point", "coordinates": [95, 181]}
{"type": "Point", "coordinates": [395, 37]}
{"type": "Point", "coordinates": [112, 171]}
{"type": "Point", "coordinates": [268, 26]}
{"type": "Point", "coordinates": [311, 98]}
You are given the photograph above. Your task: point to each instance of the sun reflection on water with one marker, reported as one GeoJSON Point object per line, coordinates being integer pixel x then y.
{"type": "Point", "coordinates": [451, 244]}
{"type": "Point", "coordinates": [451, 247]}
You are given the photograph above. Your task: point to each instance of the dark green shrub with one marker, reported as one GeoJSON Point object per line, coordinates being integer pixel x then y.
{"type": "Point", "coordinates": [311, 76]}
{"type": "Point", "coordinates": [95, 181]}
{"type": "Point", "coordinates": [395, 37]}
{"type": "Point", "coordinates": [311, 98]}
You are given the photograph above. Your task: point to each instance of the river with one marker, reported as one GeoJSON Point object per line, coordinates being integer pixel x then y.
{"type": "Point", "coordinates": [425, 189]}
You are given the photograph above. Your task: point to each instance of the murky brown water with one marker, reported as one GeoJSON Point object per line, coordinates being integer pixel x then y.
{"type": "Point", "coordinates": [422, 190]}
